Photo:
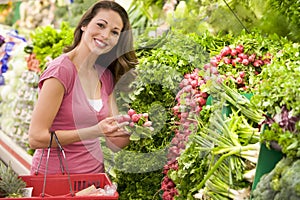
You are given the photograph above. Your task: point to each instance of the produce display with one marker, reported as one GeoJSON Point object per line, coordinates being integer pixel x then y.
{"type": "Point", "coordinates": [200, 104]}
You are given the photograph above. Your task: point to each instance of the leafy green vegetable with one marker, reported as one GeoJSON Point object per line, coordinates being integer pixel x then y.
{"type": "Point", "coordinates": [281, 82]}
{"type": "Point", "coordinates": [49, 42]}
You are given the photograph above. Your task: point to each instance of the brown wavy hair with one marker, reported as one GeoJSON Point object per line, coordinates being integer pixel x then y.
{"type": "Point", "coordinates": [122, 57]}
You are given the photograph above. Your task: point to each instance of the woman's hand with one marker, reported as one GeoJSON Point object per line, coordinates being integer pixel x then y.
{"type": "Point", "coordinates": [113, 126]}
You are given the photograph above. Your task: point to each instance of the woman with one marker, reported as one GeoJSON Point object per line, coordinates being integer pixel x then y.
{"type": "Point", "coordinates": [76, 93]}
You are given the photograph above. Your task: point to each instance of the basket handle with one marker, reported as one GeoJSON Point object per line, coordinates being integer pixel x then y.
{"type": "Point", "coordinates": [53, 134]}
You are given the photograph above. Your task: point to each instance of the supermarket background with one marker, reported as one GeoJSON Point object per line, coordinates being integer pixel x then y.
{"type": "Point", "coordinates": [178, 43]}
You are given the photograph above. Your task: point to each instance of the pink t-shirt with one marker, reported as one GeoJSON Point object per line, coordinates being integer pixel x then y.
{"type": "Point", "coordinates": [75, 113]}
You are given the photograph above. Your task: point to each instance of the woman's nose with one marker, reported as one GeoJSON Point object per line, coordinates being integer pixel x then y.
{"type": "Point", "coordinates": [105, 33]}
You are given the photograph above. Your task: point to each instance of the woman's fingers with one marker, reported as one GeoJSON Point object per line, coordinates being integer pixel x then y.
{"type": "Point", "coordinates": [112, 124]}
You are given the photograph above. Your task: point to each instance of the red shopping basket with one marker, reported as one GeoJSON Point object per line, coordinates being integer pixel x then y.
{"type": "Point", "coordinates": [64, 186]}
{"type": "Point", "coordinates": [58, 187]}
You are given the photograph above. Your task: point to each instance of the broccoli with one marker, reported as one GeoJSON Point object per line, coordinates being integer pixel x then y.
{"type": "Point", "coordinates": [283, 182]}
{"type": "Point", "coordinates": [263, 190]}
{"type": "Point", "coordinates": [289, 183]}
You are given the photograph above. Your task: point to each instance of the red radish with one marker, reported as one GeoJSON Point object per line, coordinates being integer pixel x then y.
{"type": "Point", "coordinates": [225, 51]}
{"type": "Point", "coordinates": [176, 109]}
{"type": "Point", "coordinates": [245, 62]}
{"type": "Point", "coordinates": [206, 66]}
{"type": "Point", "coordinates": [204, 94]}
{"type": "Point", "coordinates": [239, 59]}
{"type": "Point", "coordinates": [227, 60]}
{"type": "Point", "coordinates": [240, 48]}
{"type": "Point", "coordinates": [201, 82]}
{"type": "Point", "coordinates": [214, 70]}
{"type": "Point", "coordinates": [218, 58]}
{"type": "Point", "coordinates": [183, 83]}
{"type": "Point", "coordinates": [131, 112]}
{"type": "Point", "coordinates": [214, 62]}
{"type": "Point", "coordinates": [147, 124]}
{"type": "Point", "coordinates": [184, 115]}
{"type": "Point", "coordinates": [135, 117]}
{"type": "Point", "coordinates": [145, 115]}
{"type": "Point", "coordinates": [243, 56]}
{"type": "Point", "coordinates": [233, 52]}
{"type": "Point", "coordinates": [242, 74]}
{"type": "Point", "coordinates": [201, 101]}
{"type": "Point", "coordinates": [187, 76]}
{"type": "Point", "coordinates": [258, 63]}
{"type": "Point", "coordinates": [267, 61]}
{"type": "Point", "coordinates": [252, 57]}
{"type": "Point", "coordinates": [194, 83]}
{"type": "Point", "coordinates": [194, 76]}
{"type": "Point", "coordinates": [131, 124]}
{"type": "Point", "coordinates": [239, 80]}
{"type": "Point", "coordinates": [125, 118]}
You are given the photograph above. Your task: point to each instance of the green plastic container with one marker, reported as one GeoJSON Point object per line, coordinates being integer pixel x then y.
{"type": "Point", "coordinates": [267, 159]}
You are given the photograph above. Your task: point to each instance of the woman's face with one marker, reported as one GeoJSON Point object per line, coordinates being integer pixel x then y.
{"type": "Point", "coordinates": [103, 31]}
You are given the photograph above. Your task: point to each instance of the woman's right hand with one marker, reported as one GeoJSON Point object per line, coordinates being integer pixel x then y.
{"type": "Point", "coordinates": [113, 126]}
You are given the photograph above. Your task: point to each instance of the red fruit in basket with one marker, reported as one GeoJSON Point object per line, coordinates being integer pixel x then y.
{"type": "Point", "coordinates": [131, 112]}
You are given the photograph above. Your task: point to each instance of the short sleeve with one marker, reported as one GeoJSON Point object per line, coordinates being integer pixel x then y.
{"type": "Point", "coordinates": [61, 71]}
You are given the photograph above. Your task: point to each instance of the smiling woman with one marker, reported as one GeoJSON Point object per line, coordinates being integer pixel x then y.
{"type": "Point", "coordinates": [76, 99]}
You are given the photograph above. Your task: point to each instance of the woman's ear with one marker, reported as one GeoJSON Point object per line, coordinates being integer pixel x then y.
{"type": "Point", "coordinates": [83, 28]}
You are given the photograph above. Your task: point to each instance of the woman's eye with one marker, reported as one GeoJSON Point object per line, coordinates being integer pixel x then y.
{"type": "Point", "coordinates": [116, 33]}
{"type": "Point", "coordinates": [100, 25]}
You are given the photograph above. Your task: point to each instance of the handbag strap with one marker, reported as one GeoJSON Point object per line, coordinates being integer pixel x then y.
{"type": "Point", "coordinates": [53, 134]}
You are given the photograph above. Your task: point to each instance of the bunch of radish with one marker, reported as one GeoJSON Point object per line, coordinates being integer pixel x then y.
{"type": "Point", "coordinates": [167, 185]}
{"type": "Point", "coordinates": [236, 64]}
{"type": "Point", "coordinates": [139, 125]}
{"type": "Point", "coordinates": [141, 119]}
{"type": "Point", "coordinates": [190, 100]}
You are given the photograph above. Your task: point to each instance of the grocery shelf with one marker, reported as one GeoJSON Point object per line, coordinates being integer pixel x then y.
{"type": "Point", "coordinates": [11, 153]}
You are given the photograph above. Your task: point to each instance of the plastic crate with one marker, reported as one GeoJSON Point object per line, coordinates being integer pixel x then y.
{"type": "Point", "coordinates": [267, 160]}
{"type": "Point", "coordinates": [58, 187]}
